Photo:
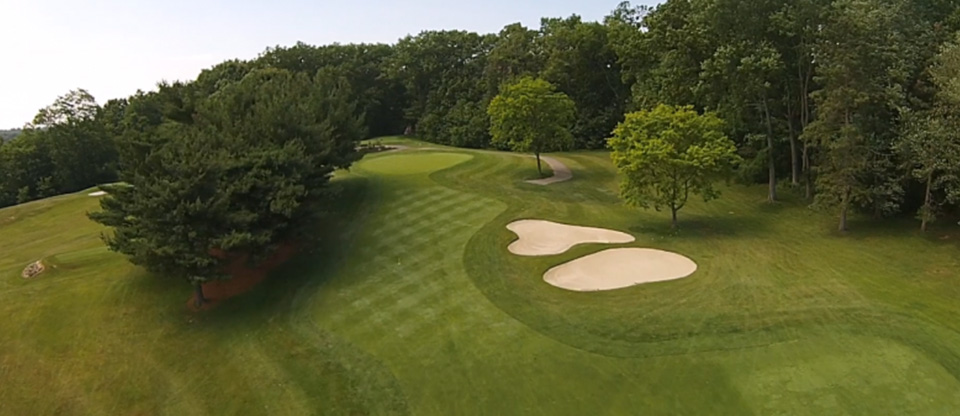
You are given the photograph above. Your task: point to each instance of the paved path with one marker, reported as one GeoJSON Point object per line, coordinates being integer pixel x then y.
{"type": "Point", "coordinates": [560, 172]}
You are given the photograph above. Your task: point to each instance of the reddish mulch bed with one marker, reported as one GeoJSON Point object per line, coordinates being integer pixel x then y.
{"type": "Point", "coordinates": [242, 277]}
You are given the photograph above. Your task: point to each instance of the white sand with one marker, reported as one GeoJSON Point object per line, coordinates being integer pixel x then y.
{"type": "Point", "coordinates": [98, 193]}
{"type": "Point", "coordinates": [618, 268]}
{"type": "Point", "coordinates": [560, 172]}
{"type": "Point", "coordinates": [544, 238]}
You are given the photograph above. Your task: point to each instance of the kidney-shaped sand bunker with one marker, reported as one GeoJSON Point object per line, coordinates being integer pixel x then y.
{"type": "Point", "coordinates": [545, 238]}
{"type": "Point", "coordinates": [618, 268]}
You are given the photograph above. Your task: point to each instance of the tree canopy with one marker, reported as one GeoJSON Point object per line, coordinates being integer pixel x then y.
{"type": "Point", "coordinates": [9, 134]}
{"type": "Point", "coordinates": [247, 176]}
{"type": "Point", "coordinates": [64, 149]}
{"type": "Point", "coordinates": [669, 153]}
{"type": "Point", "coordinates": [929, 143]}
{"type": "Point", "coordinates": [529, 115]}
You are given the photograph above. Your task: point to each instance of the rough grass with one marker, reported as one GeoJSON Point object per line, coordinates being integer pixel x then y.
{"type": "Point", "coordinates": [414, 306]}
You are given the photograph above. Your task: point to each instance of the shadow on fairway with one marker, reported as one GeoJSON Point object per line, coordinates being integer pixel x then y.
{"type": "Point", "coordinates": [306, 270]}
{"type": "Point", "coordinates": [702, 226]}
{"type": "Point", "coordinates": [940, 232]}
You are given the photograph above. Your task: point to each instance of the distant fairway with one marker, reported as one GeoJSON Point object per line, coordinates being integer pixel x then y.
{"type": "Point", "coordinates": [416, 307]}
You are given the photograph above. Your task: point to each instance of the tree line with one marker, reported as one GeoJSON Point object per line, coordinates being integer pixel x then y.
{"type": "Point", "coordinates": [8, 134]}
{"type": "Point", "coordinates": [850, 101]}
{"type": "Point", "coordinates": [845, 99]}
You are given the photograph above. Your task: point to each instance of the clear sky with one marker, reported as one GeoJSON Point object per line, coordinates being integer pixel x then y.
{"type": "Point", "coordinates": [114, 47]}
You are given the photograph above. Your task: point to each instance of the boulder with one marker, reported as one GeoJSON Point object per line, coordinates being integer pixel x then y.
{"type": "Point", "coordinates": [33, 270]}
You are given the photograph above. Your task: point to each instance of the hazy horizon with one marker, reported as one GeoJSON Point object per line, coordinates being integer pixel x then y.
{"type": "Point", "coordinates": [112, 48]}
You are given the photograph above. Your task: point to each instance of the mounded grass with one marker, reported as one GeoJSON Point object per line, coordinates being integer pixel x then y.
{"type": "Point", "coordinates": [414, 306]}
{"type": "Point", "coordinates": [410, 164]}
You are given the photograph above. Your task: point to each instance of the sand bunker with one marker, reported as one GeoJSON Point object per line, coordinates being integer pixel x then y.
{"type": "Point", "coordinates": [618, 268]}
{"type": "Point", "coordinates": [545, 238]}
{"type": "Point", "coordinates": [98, 193]}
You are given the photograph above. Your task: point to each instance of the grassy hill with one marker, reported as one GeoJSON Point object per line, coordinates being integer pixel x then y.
{"type": "Point", "coordinates": [416, 307]}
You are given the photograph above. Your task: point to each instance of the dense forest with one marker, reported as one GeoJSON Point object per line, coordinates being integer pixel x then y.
{"type": "Point", "coordinates": [8, 134]}
{"type": "Point", "coordinates": [850, 102]}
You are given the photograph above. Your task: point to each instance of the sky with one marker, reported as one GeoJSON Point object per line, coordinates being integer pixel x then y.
{"type": "Point", "coordinates": [111, 48]}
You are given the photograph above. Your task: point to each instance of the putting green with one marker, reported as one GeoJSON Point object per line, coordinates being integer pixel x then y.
{"type": "Point", "coordinates": [409, 163]}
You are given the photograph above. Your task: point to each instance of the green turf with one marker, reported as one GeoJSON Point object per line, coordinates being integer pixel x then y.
{"type": "Point", "coordinates": [414, 306]}
{"type": "Point", "coordinates": [409, 164]}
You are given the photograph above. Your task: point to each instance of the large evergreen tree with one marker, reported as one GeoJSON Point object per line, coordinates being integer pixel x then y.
{"type": "Point", "coordinates": [247, 176]}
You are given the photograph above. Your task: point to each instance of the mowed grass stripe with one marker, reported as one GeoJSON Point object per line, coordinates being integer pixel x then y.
{"type": "Point", "coordinates": [423, 271]}
{"type": "Point", "coordinates": [430, 251]}
{"type": "Point", "coordinates": [452, 213]}
{"type": "Point", "coordinates": [388, 230]}
{"type": "Point", "coordinates": [397, 255]}
{"type": "Point", "coordinates": [416, 201]}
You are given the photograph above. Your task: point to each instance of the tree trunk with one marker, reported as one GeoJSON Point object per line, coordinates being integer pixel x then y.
{"type": "Point", "coordinates": [772, 168]}
{"type": "Point", "coordinates": [804, 122]}
{"type": "Point", "coordinates": [794, 171]}
{"type": "Point", "coordinates": [539, 169]}
{"type": "Point", "coordinates": [673, 212]}
{"type": "Point", "coordinates": [771, 163]}
{"type": "Point", "coordinates": [925, 214]}
{"type": "Point", "coordinates": [807, 177]}
{"type": "Point", "coordinates": [843, 219]}
{"type": "Point", "coordinates": [844, 203]}
{"type": "Point", "coordinates": [198, 298]}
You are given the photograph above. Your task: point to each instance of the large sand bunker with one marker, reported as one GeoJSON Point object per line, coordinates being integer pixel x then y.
{"type": "Point", "coordinates": [545, 238]}
{"type": "Point", "coordinates": [618, 268]}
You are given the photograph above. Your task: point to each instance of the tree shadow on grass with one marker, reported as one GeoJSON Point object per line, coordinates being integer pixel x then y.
{"type": "Point", "coordinates": [943, 232]}
{"type": "Point", "coordinates": [864, 228]}
{"type": "Point", "coordinates": [307, 270]}
{"type": "Point", "coordinates": [702, 226]}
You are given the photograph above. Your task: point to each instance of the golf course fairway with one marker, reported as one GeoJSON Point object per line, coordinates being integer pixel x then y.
{"type": "Point", "coordinates": [415, 306]}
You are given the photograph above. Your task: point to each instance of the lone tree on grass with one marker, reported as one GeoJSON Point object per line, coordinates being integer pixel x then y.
{"type": "Point", "coordinates": [248, 176]}
{"type": "Point", "coordinates": [667, 154]}
{"type": "Point", "coordinates": [529, 115]}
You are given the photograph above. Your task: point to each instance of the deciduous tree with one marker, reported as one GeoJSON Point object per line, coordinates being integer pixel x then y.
{"type": "Point", "coordinates": [529, 115]}
{"type": "Point", "coordinates": [65, 149]}
{"type": "Point", "coordinates": [579, 61]}
{"type": "Point", "coordinates": [861, 73]}
{"type": "Point", "coordinates": [930, 141]}
{"type": "Point", "coordinates": [669, 153]}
